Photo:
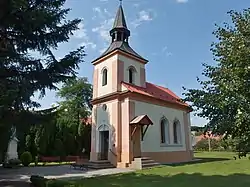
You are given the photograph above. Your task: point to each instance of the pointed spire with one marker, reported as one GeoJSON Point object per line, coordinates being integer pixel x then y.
{"type": "Point", "coordinates": [120, 36]}
{"type": "Point", "coordinates": [120, 21]}
{"type": "Point", "coordinates": [120, 32]}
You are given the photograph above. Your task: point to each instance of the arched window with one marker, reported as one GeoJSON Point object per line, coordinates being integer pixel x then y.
{"type": "Point", "coordinates": [104, 77]}
{"type": "Point", "coordinates": [131, 75]}
{"type": "Point", "coordinates": [177, 132]}
{"type": "Point", "coordinates": [164, 131]}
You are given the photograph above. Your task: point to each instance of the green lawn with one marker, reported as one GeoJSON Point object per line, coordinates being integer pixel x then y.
{"type": "Point", "coordinates": [217, 170]}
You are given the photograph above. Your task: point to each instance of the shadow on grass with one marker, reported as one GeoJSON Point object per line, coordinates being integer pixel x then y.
{"type": "Point", "coordinates": [148, 180]}
{"type": "Point", "coordinates": [14, 184]}
{"type": "Point", "coordinates": [198, 160]}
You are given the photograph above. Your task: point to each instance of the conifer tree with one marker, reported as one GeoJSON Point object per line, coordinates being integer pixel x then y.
{"type": "Point", "coordinates": [29, 27]}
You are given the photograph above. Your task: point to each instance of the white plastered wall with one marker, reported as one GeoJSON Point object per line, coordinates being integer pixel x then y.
{"type": "Point", "coordinates": [108, 63]}
{"type": "Point", "coordinates": [137, 65]}
{"type": "Point", "coordinates": [152, 138]}
{"type": "Point", "coordinates": [104, 118]}
{"type": "Point", "coordinates": [189, 131]}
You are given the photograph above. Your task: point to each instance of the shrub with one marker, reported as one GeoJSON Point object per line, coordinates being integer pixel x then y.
{"type": "Point", "coordinates": [26, 158]}
{"type": "Point", "coordinates": [12, 163]}
{"type": "Point", "coordinates": [36, 160]}
{"type": "Point", "coordinates": [38, 181]}
{"type": "Point", "coordinates": [59, 148]}
{"type": "Point", "coordinates": [15, 162]}
{"type": "Point", "coordinates": [202, 145]}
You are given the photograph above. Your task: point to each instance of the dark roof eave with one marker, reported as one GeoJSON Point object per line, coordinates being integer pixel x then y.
{"type": "Point", "coordinates": [119, 50]}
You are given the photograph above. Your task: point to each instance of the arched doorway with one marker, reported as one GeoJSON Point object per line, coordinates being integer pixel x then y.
{"type": "Point", "coordinates": [103, 141]}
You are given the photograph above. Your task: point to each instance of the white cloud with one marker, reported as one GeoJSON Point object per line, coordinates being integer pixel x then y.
{"type": "Point", "coordinates": [166, 51]}
{"type": "Point", "coordinates": [100, 13]}
{"type": "Point", "coordinates": [103, 31]}
{"type": "Point", "coordinates": [82, 36]}
{"type": "Point", "coordinates": [81, 32]}
{"type": "Point", "coordinates": [102, 50]}
{"type": "Point", "coordinates": [143, 16]}
{"type": "Point", "coordinates": [181, 1]}
{"type": "Point", "coordinates": [105, 19]}
{"type": "Point", "coordinates": [88, 44]}
{"type": "Point", "coordinates": [136, 5]}
{"type": "Point", "coordinates": [97, 9]}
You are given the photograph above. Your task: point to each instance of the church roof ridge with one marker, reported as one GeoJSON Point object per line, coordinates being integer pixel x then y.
{"type": "Point", "coordinates": [155, 91]}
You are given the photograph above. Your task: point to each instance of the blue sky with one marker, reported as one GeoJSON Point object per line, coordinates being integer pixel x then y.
{"type": "Point", "coordinates": [174, 35]}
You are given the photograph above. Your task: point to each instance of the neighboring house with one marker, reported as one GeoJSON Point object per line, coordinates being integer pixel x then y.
{"type": "Point", "coordinates": [133, 118]}
{"type": "Point", "coordinates": [208, 134]}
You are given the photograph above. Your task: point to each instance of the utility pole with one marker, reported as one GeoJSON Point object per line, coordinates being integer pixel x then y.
{"type": "Point", "coordinates": [209, 142]}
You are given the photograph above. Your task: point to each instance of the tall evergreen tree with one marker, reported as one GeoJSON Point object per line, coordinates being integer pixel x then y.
{"type": "Point", "coordinates": [32, 26]}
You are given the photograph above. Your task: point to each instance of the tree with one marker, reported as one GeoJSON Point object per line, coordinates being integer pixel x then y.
{"type": "Point", "coordinates": [77, 94]}
{"type": "Point", "coordinates": [224, 97]}
{"type": "Point", "coordinates": [25, 27]}
{"type": "Point", "coordinates": [197, 128]}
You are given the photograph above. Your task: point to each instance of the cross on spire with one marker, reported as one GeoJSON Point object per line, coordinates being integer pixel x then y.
{"type": "Point", "coordinates": [120, 2]}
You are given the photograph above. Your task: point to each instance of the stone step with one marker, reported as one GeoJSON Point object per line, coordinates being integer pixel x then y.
{"type": "Point", "coordinates": [148, 161]}
{"type": "Point", "coordinates": [151, 164]}
{"type": "Point", "coordinates": [144, 162]}
{"type": "Point", "coordinates": [100, 164]}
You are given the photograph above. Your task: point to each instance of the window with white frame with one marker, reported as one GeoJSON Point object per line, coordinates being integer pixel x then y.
{"type": "Point", "coordinates": [104, 77]}
{"type": "Point", "coordinates": [177, 132]}
{"type": "Point", "coordinates": [131, 75]}
{"type": "Point", "coordinates": [164, 125]}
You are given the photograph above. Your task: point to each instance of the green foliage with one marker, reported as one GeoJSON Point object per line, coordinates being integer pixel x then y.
{"type": "Point", "coordinates": [30, 32]}
{"type": "Point", "coordinates": [12, 163]}
{"type": "Point", "coordinates": [64, 133]}
{"type": "Point", "coordinates": [56, 183]}
{"type": "Point", "coordinates": [36, 160]}
{"type": "Point", "coordinates": [203, 145]}
{"type": "Point", "coordinates": [26, 158]}
{"type": "Point", "coordinates": [229, 144]}
{"type": "Point", "coordinates": [224, 97]}
{"type": "Point", "coordinates": [197, 129]}
{"type": "Point", "coordinates": [59, 148]}
{"type": "Point", "coordinates": [15, 162]}
{"type": "Point", "coordinates": [5, 134]}
{"type": "Point", "coordinates": [199, 133]}
{"type": "Point", "coordinates": [76, 95]}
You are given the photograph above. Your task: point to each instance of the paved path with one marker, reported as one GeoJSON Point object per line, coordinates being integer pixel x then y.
{"type": "Point", "coordinates": [20, 177]}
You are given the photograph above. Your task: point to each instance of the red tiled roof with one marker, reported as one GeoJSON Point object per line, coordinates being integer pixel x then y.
{"type": "Point", "coordinates": [142, 120]}
{"type": "Point", "coordinates": [155, 91]}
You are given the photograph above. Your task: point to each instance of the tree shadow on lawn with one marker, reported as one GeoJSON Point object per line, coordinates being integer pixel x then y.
{"type": "Point", "coordinates": [152, 180]}
{"type": "Point", "coordinates": [14, 184]}
{"type": "Point", "coordinates": [198, 160]}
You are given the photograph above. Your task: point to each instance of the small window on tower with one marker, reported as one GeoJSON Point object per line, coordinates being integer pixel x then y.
{"type": "Point", "coordinates": [119, 36]}
{"type": "Point", "coordinates": [104, 77]}
{"type": "Point", "coordinates": [131, 75]}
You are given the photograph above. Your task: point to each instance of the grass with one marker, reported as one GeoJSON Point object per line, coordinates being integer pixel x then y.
{"type": "Point", "coordinates": [216, 170]}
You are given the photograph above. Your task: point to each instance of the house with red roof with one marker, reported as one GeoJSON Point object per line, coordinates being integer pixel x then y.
{"type": "Point", "coordinates": [132, 118]}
